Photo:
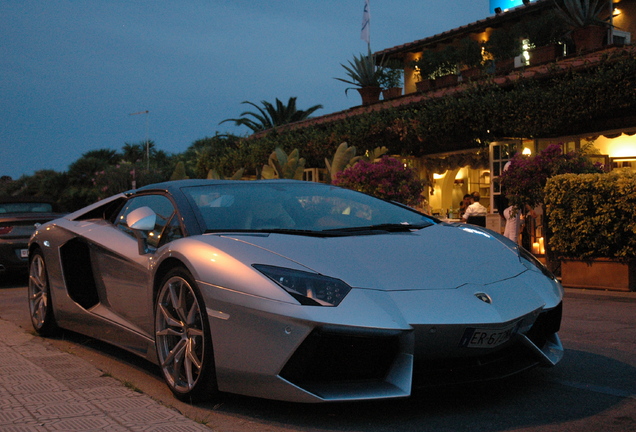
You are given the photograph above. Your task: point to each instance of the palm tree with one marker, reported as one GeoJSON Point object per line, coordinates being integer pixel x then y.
{"type": "Point", "coordinates": [269, 116]}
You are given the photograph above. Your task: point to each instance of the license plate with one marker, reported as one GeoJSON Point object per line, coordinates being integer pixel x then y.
{"type": "Point", "coordinates": [24, 253]}
{"type": "Point", "coordinates": [487, 338]}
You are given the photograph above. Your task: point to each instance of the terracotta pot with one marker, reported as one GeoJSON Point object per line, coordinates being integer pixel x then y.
{"type": "Point", "coordinates": [369, 95]}
{"type": "Point", "coordinates": [599, 273]}
{"type": "Point", "coordinates": [545, 54]}
{"type": "Point", "coordinates": [446, 81]}
{"type": "Point", "coordinates": [504, 66]}
{"type": "Point", "coordinates": [471, 74]}
{"type": "Point", "coordinates": [425, 85]}
{"type": "Point", "coordinates": [392, 92]}
{"type": "Point", "coordinates": [590, 38]}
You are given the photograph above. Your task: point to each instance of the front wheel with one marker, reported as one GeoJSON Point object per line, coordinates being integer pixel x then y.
{"type": "Point", "coordinates": [182, 338]}
{"type": "Point", "coordinates": [39, 291]}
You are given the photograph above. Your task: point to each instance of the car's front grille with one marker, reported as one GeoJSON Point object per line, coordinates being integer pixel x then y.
{"type": "Point", "coordinates": [333, 357]}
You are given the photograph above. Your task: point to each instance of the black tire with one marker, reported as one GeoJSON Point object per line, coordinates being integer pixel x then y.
{"type": "Point", "coordinates": [39, 292]}
{"type": "Point", "coordinates": [182, 338]}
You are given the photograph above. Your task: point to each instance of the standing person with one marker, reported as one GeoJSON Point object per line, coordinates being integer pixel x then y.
{"type": "Point", "coordinates": [512, 215]}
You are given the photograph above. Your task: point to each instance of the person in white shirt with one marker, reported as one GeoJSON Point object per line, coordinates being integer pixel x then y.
{"type": "Point", "coordinates": [475, 209]}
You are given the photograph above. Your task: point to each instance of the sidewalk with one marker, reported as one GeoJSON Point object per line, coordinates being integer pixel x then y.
{"type": "Point", "coordinates": [45, 389]}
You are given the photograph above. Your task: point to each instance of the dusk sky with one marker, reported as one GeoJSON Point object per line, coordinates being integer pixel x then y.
{"type": "Point", "coordinates": [72, 72]}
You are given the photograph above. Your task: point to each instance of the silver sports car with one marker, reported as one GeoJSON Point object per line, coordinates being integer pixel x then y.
{"type": "Point", "coordinates": [293, 291]}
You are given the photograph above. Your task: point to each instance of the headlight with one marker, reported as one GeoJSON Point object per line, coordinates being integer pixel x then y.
{"type": "Point", "coordinates": [309, 289]}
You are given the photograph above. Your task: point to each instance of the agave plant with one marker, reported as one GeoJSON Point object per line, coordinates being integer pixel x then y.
{"type": "Point", "coordinates": [345, 157]}
{"type": "Point", "coordinates": [362, 71]}
{"type": "Point", "coordinates": [283, 166]}
{"type": "Point", "coordinates": [582, 13]}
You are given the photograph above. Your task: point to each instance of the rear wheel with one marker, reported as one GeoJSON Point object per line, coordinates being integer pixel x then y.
{"type": "Point", "coordinates": [39, 291]}
{"type": "Point", "coordinates": [182, 338]}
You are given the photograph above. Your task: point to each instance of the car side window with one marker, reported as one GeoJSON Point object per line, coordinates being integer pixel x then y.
{"type": "Point", "coordinates": [167, 226]}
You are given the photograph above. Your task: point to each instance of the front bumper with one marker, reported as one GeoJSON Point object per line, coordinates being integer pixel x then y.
{"type": "Point", "coordinates": [366, 365]}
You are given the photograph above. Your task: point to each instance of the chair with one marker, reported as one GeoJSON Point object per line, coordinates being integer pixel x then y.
{"type": "Point", "coordinates": [477, 220]}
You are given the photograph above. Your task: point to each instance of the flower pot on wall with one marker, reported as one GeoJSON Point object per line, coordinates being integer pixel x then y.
{"type": "Point", "coordinates": [599, 273]}
{"type": "Point", "coordinates": [369, 94]}
{"type": "Point", "coordinates": [504, 66]}
{"type": "Point", "coordinates": [446, 81]}
{"type": "Point", "coordinates": [545, 54]}
{"type": "Point", "coordinates": [425, 85]}
{"type": "Point", "coordinates": [589, 38]}
{"type": "Point", "coordinates": [471, 74]}
{"type": "Point", "coordinates": [392, 92]}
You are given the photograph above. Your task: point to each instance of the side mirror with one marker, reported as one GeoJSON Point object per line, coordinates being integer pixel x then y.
{"type": "Point", "coordinates": [142, 219]}
{"type": "Point", "coordinates": [139, 220]}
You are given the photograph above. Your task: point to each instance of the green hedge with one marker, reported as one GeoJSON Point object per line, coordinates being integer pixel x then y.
{"type": "Point", "coordinates": [592, 215]}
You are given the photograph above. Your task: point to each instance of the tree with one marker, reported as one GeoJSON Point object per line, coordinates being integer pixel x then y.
{"type": "Point", "coordinates": [134, 153]}
{"type": "Point", "coordinates": [271, 116]}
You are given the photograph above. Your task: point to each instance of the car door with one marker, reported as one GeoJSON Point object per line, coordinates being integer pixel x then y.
{"type": "Point", "coordinates": [124, 272]}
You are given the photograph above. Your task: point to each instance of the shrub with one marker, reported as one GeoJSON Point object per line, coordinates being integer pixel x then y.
{"type": "Point", "coordinates": [387, 179]}
{"type": "Point", "coordinates": [592, 215]}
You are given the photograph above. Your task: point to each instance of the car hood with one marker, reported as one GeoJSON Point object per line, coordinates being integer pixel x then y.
{"type": "Point", "coordinates": [434, 258]}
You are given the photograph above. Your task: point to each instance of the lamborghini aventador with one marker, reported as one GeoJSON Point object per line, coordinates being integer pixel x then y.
{"type": "Point", "coordinates": [293, 291]}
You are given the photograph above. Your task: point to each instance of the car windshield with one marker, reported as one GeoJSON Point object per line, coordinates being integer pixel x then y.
{"type": "Point", "coordinates": [302, 208]}
{"type": "Point", "coordinates": [26, 207]}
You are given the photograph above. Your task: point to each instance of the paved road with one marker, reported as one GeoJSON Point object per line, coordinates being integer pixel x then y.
{"type": "Point", "coordinates": [592, 389]}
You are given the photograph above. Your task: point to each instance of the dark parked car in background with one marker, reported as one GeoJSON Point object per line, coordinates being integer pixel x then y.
{"type": "Point", "coordinates": [18, 220]}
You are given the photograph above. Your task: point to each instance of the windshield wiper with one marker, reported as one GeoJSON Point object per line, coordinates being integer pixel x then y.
{"type": "Point", "coordinates": [386, 227]}
{"type": "Point", "coordinates": [289, 231]}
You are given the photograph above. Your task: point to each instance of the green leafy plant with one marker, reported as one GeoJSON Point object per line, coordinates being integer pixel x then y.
{"type": "Point", "coordinates": [390, 77]}
{"type": "Point", "coordinates": [545, 29]}
{"type": "Point", "coordinates": [592, 215]}
{"type": "Point", "coordinates": [523, 183]}
{"type": "Point", "coordinates": [583, 13]}
{"type": "Point", "coordinates": [345, 157]}
{"type": "Point", "coordinates": [504, 43]}
{"type": "Point", "coordinates": [434, 64]}
{"type": "Point", "coordinates": [214, 175]}
{"type": "Point", "coordinates": [469, 53]}
{"type": "Point", "coordinates": [281, 165]}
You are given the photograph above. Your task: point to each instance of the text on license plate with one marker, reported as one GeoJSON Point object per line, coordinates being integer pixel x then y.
{"type": "Point", "coordinates": [487, 338]}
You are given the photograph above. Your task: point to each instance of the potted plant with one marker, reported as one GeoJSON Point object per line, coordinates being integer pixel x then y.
{"type": "Point", "coordinates": [587, 20]}
{"type": "Point", "coordinates": [470, 58]}
{"type": "Point", "coordinates": [544, 34]}
{"type": "Point", "coordinates": [437, 68]}
{"type": "Point", "coordinates": [447, 67]}
{"type": "Point", "coordinates": [425, 67]}
{"type": "Point", "coordinates": [391, 81]}
{"type": "Point", "coordinates": [593, 228]}
{"type": "Point", "coordinates": [503, 45]}
{"type": "Point", "coordinates": [364, 74]}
